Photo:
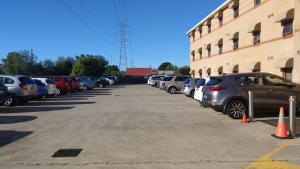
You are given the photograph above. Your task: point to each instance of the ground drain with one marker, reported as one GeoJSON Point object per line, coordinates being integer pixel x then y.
{"type": "Point", "coordinates": [67, 153]}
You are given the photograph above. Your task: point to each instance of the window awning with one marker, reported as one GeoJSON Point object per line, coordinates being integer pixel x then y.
{"type": "Point", "coordinates": [235, 36]}
{"type": "Point", "coordinates": [208, 46]}
{"type": "Point", "coordinates": [254, 28]}
{"type": "Point", "coordinates": [216, 69]}
{"type": "Point", "coordinates": [219, 42]}
{"type": "Point", "coordinates": [286, 15]}
{"type": "Point", "coordinates": [253, 66]}
{"type": "Point", "coordinates": [284, 63]}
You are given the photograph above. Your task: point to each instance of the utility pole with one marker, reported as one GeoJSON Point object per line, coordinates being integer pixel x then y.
{"type": "Point", "coordinates": [123, 52]}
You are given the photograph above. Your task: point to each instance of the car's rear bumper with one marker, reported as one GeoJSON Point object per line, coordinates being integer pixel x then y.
{"type": "Point", "coordinates": [212, 104]}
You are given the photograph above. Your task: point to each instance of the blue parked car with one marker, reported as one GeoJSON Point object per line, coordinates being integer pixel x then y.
{"type": "Point", "coordinates": [42, 88]}
{"type": "Point", "coordinates": [86, 83]}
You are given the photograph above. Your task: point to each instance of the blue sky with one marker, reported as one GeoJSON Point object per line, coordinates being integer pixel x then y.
{"type": "Point", "coordinates": [156, 33]}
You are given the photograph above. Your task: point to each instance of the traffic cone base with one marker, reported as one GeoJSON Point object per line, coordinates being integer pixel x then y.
{"type": "Point", "coordinates": [244, 119]}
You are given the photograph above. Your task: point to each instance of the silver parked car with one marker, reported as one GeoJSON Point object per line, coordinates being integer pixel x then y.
{"type": "Point", "coordinates": [229, 93]}
{"type": "Point", "coordinates": [188, 87]}
{"type": "Point", "coordinates": [173, 84]}
{"type": "Point", "coordinates": [21, 89]}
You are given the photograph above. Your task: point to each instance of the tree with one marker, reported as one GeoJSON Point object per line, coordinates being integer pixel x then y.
{"type": "Point", "coordinates": [164, 65]}
{"type": "Point", "coordinates": [89, 65]}
{"type": "Point", "coordinates": [185, 70]}
{"type": "Point", "coordinates": [64, 65]}
{"type": "Point", "coordinates": [49, 67]}
{"type": "Point", "coordinates": [19, 63]}
{"type": "Point", "coordinates": [111, 70]}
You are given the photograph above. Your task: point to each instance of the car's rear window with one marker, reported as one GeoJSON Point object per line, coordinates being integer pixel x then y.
{"type": "Point", "coordinates": [214, 81]}
{"type": "Point", "coordinates": [200, 82]}
{"type": "Point", "coordinates": [26, 80]}
{"type": "Point", "coordinates": [167, 78]}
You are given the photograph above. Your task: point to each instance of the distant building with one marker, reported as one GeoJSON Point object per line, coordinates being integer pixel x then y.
{"type": "Point", "coordinates": [248, 36]}
{"type": "Point", "coordinates": [139, 72]}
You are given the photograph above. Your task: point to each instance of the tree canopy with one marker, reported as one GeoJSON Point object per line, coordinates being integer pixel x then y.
{"type": "Point", "coordinates": [111, 70]}
{"type": "Point", "coordinates": [89, 65]}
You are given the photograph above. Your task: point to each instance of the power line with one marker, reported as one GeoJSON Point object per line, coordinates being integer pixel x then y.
{"type": "Point", "coordinates": [92, 15]}
{"type": "Point", "coordinates": [117, 11]}
{"type": "Point", "coordinates": [80, 19]}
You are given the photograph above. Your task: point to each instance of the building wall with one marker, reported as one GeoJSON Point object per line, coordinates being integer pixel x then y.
{"type": "Point", "coordinates": [272, 49]}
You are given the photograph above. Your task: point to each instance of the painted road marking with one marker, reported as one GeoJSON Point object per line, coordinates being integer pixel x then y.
{"type": "Point", "coordinates": [266, 160]}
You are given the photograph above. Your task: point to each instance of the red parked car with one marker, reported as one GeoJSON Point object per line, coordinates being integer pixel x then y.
{"type": "Point", "coordinates": [63, 84]}
{"type": "Point", "coordinates": [74, 84]}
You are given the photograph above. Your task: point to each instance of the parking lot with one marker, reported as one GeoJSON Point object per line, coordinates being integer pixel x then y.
{"type": "Point", "coordinates": [136, 126]}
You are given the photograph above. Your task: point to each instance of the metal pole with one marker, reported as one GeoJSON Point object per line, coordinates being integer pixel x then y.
{"type": "Point", "coordinates": [251, 110]}
{"type": "Point", "coordinates": [293, 116]}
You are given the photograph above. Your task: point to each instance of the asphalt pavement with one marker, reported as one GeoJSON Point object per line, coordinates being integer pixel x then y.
{"type": "Point", "coordinates": [135, 127]}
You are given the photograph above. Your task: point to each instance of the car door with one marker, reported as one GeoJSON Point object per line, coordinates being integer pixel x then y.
{"type": "Point", "coordinates": [179, 81]}
{"type": "Point", "coordinates": [254, 83]}
{"type": "Point", "coordinates": [278, 90]}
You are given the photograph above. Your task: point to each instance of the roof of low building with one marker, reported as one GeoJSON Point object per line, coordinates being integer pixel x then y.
{"type": "Point", "coordinates": [139, 71]}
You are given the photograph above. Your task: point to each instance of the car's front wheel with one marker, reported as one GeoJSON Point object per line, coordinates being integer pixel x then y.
{"type": "Point", "coordinates": [172, 90]}
{"type": "Point", "coordinates": [9, 101]}
{"type": "Point", "coordinates": [235, 109]}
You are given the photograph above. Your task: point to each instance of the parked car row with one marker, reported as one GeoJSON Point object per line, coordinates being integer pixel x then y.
{"type": "Point", "coordinates": [229, 93]}
{"type": "Point", "coordinates": [16, 89]}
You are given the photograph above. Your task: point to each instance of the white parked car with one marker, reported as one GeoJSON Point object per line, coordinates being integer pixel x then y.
{"type": "Point", "coordinates": [199, 88]}
{"type": "Point", "coordinates": [52, 89]}
{"type": "Point", "coordinates": [111, 82]}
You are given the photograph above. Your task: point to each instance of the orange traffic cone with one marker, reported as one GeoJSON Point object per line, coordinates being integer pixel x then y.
{"type": "Point", "coordinates": [244, 119]}
{"type": "Point", "coordinates": [281, 127]}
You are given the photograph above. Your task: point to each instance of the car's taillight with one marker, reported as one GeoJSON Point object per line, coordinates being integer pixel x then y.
{"type": "Point", "coordinates": [23, 86]}
{"type": "Point", "coordinates": [216, 89]}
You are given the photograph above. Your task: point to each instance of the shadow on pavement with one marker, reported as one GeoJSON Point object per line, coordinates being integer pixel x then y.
{"type": "Point", "coordinates": [7, 136]}
{"type": "Point", "coordinates": [62, 99]}
{"type": "Point", "coordinates": [29, 109]}
{"type": "Point", "coordinates": [15, 119]}
{"type": "Point", "coordinates": [273, 122]}
{"type": "Point", "coordinates": [53, 103]}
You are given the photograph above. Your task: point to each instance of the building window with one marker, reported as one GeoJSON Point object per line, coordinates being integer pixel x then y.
{"type": "Point", "coordinates": [257, 2]}
{"type": "Point", "coordinates": [287, 73]}
{"type": "Point", "coordinates": [193, 56]}
{"type": "Point", "coordinates": [235, 8]}
{"type": "Point", "coordinates": [220, 18]}
{"type": "Point", "coordinates": [200, 31]}
{"type": "Point", "coordinates": [235, 69]}
{"type": "Point", "coordinates": [200, 73]}
{"type": "Point", "coordinates": [200, 53]}
{"type": "Point", "coordinates": [256, 38]}
{"type": "Point", "coordinates": [209, 50]}
{"type": "Point", "coordinates": [192, 36]}
{"type": "Point", "coordinates": [220, 45]}
{"type": "Point", "coordinates": [209, 25]}
{"type": "Point", "coordinates": [256, 34]}
{"type": "Point", "coordinates": [220, 21]}
{"type": "Point", "coordinates": [235, 40]}
{"type": "Point", "coordinates": [287, 27]}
